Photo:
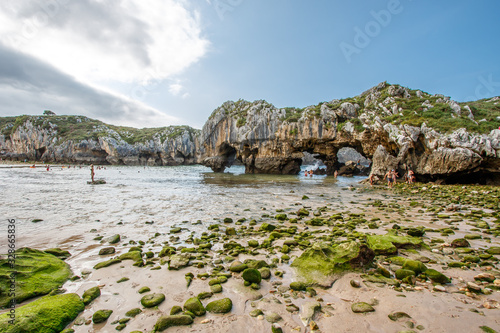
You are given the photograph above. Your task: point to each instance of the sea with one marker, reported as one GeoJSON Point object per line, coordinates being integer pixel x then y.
{"type": "Point", "coordinates": [55, 207]}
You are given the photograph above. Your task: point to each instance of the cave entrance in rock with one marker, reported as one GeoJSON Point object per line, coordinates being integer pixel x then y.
{"type": "Point", "coordinates": [229, 154]}
{"type": "Point", "coordinates": [314, 162]}
{"type": "Point", "coordinates": [350, 162]}
{"type": "Point", "coordinates": [39, 153]}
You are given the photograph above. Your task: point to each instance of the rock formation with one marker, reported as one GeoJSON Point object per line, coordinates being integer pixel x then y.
{"type": "Point", "coordinates": [395, 127]}
{"type": "Point", "coordinates": [84, 140]}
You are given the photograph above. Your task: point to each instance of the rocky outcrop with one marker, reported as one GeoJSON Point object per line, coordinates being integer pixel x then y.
{"type": "Point", "coordinates": [395, 127]}
{"type": "Point", "coordinates": [46, 138]}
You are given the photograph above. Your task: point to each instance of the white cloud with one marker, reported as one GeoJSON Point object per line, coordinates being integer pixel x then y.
{"type": "Point", "coordinates": [175, 89]}
{"type": "Point", "coordinates": [99, 41]}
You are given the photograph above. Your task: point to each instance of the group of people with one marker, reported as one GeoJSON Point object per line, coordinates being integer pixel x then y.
{"type": "Point", "coordinates": [308, 173]}
{"type": "Point", "coordinates": [392, 175]}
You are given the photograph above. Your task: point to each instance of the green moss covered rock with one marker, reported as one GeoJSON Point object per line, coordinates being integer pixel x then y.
{"type": "Point", "coordinates": [151, 300]}
{"type": "Point", "coordinates": [237, 266]}
{"type": "Point", "coordinates": [37, 274]}
{"type": "Point", "coordinates": [402, 273]}
{"type": "Point", "coordinates": [267, 227]}
{"type": "Point", "coordinates": [362, 307]}
{"type": "Point", "coordinates": [414, 265]}
{"type": "Point", "coordinates": [178, 261]}
{"type": "Point", "coordinates": [322, 263]}
{"type": "Point", "coordinates": [49, 314]}
{"type": "Point", "coordinates": [169, 321]}
{"type": "Point", "coordinates": [251, 275]}
{"type": "Point", "coordinates": [390, 243]}
{"type": "Point", "coordinates": [132, 255]}
{"type": "Point", "coordinates": [101, 316]}
{"type": "Point", "coordinates": [133, 312]}
{"type": "Point", "coordinates": [298, 286]}
{"type": "Point", "coordinates": [220, 306]}
{"type": "Point", "coordinates": [107, 263]}
{"type": "Point", "coordinates": [61, 254]}
{"type": "Point", "coordinates": [114, 239]}
{"type": "Point", "coordinates": [194, 305]}
{"type": "Point", "coordinates": [91, 294]}
{"type": "Point", "coordinates": [437, 276]}
{"type": "Point", "coordinates": [107, 250]}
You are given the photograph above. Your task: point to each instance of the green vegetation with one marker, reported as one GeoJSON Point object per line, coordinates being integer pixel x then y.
{"type": "Point", "coordinates": [37, 273]}
{"type": "Point", "coordinates": [49, 314]}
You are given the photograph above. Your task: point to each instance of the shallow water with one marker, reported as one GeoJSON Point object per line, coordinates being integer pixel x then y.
{"type": "Point", "coordinates": [169, 196]}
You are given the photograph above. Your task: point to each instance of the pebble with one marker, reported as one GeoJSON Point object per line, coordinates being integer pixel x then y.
{"type": "Point", "coordinates": [440, 288]}
{"type": "Point", "coordinates": [473, 287]}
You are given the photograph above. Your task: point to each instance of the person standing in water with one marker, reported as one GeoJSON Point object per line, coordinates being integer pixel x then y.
{"type": "Point", "coordinates": [92, 173]}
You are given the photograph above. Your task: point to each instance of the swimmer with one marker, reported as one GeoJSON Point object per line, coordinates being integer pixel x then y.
{"type": "Point", "coordinates": [92, 173]}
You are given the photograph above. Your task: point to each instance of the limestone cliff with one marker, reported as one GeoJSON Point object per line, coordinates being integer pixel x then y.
{"type": "Point", "coordinates": [395, 127]}
{"type": "Point", "coordinates": [77, 139]}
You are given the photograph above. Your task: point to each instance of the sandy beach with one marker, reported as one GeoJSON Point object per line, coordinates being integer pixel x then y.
{"type": "Point", "coordinates": [348, 214]}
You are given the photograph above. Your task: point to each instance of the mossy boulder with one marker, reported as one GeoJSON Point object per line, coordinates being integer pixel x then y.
{"type": "Point", "coordinates": [402, 273]}
{"type": "Point", "coordinates": [437, 276]}
{"type": "Point", "coordinates": [220, 306]}
{"type": "Point", "coordinates": [178, 261]}
{"type": "Point", "coordinates": [265, 273]}
{"type": "Point", "coordinates": [36, 273]}
{"type": "Point", "coordinates": [494, 250]}
{"type": "Point", "coordinates": [321, 264]}
{"type": "Point", "coordinates": [91, 294]}
{"type": "Point", "coordinates": [107, 250]}
{"type": "Point", "coordinates": [414, 265]}
{"type": "Point", "coordinates": [257, 264]}
{"type": "Point", "coordinates": [281, 217]}
{"type": "Point", "coordinates": [48, 314]}
{"type": "Point", "coordinates": [251, 275]}
{"type": "Point", "coordinates": [143, 290]}
{"type": "Point", "coordinates": [133, 312]}
{"type": "Point", "coordinates": [61, 254]}
{"type": "Point", "coordinates": [253, 243]}
{"type": "Point", "coordinates": [194, 305]}
{"type": "Point", "coordinates": [302, 212]}
{"type": "Point", "coordinates": [101, 316]}
{"type": "Point", "coordinates": [107, 263]}
{"type": "Point", "coordinates": [151, 300]}
{"type": "Point", "coordinates": [237, 266]}
{"type": "Point", "coordinates": [267, 227]}
{"type": "Point", "coordinates": [390, 243]}
{"type": "Point", "coordinates": [460, 242]}
{"type": "Point", "coordinates": [362, 307]}
{"type": "Point", "coordinates": [175, 310]}
{"type": "Point", "coordinates": [416, 232]}
{"type": "Point", "coordinates": [300, 286]}
{"type": "Point", "coordinates": [169, 321]}
{"type": "Point", "coordinates": [114, 239]}
{"type": "Point", "coordinates": [132, 255]}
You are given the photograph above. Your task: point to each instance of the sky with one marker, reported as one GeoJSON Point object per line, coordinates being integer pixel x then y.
{"type": "Point", "coordinates": [172, 62]}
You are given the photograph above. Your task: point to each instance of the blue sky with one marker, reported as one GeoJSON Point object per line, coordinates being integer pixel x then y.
{"type": "Point", "coordinates": [186, 63]}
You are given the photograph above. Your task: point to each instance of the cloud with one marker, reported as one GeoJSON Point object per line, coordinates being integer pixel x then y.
{"type": "Point", "coordinates": [99, 41]}
{"type": "Point", "coordinates": [29, 86]}
{"type": "Point", "coordinates": [175, 89]}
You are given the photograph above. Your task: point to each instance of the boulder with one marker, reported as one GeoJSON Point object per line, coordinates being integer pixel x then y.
{"type": "Point", "coordinates": [101, 316]}
{"type": "Point", "coordinates": [322, 264]}
{"type": "Point", "coordinates": [150, 300]}
{"type": "Point", "coordinates": [220, 306]}
{"type": "Point", "coordinates": [169, 321]}
{"type": "Point", "coordinates": [54, 313]}
{"type": "Point", "coordinates": [91, 294]}
{"type": "Point", "coordinates": [194, 305]}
